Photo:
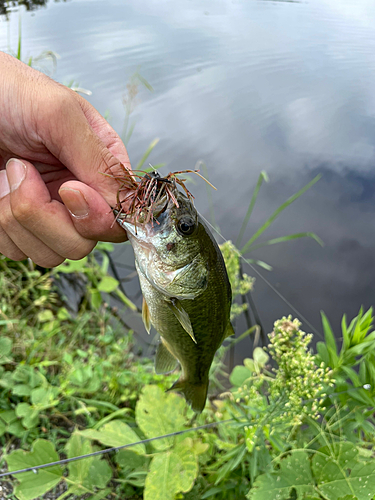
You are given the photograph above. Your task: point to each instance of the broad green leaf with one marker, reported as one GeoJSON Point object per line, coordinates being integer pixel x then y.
{"type": "Point", "coordinates": [101, 494]}
{"type": "Point", "coordinates": [29, 415]}
{"type": "Point", "coordinates": [158, 412]}
{"type": "Point", "coordinates": [46, 315]}
{"type": "Point", "coordinates": [95, 298]}
{"type": "Point", "coordinates": [336, 483]}
{"type": "Point", "coordinates": [5, 349]}
{"type": "Point", "coordinates": [199, 447]}
{"type": "Point", "coordinates": [249, 364]}
{"type": "Point", "coordinates": [260, 356]}
{"type": "Point", "coordinates": [99, 474]}
{"type": "Point", "coordinates": [114, 434]}
{"type": "Point", "coordinates": [8, 416]}
{"type": "Point", "coordinates": [108, 284]}
{"type": "Point", "coordinates": [294, 473]}
{"type": "Point", "coordinates": [32, 485]}
{"type": "Point", "coordinates": [343, 454]}
{"type": "Point", "coordinates": [239, 375]}
{"type": "Point", "coordinates": [44, 397]}
{"type": "Point", "coordinates": [71, 266]}
{"type": "Point", "coordinates": [2, 428]}
{"type": "Point", "coordinates": [16, 429]}
{"type": "Point", "coordinates": [63, 314]}
{"type": "Point", "coordinates": [129, 460]}
{"type": "Point", "coordinates": [79, 469]}
{"type": "Point", "coordinates": [21, 390]}
{"type": "Point", "coordinates": [171, 472]}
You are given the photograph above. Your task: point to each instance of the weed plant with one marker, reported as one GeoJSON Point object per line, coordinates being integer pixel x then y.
{"type": "Point", "coordinates": [71, 383]}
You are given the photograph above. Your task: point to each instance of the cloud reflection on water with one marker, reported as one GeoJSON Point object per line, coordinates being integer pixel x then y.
{"type": "Point", "coordinates": [246, 86]}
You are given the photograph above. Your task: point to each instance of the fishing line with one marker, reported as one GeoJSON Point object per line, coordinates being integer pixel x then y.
{"type": "Point", "coordinates": [285, 300]}
{"type": "Point", "coordinates": [116, 448]}
{"type": "Point", "coordinates": [36, 468]}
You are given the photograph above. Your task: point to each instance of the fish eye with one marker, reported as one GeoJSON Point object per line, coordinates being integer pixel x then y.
{"type": "Point", "coordinates": [186, 226]}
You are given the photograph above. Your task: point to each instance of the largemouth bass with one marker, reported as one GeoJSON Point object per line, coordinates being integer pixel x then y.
{"type": "Point", "coordinates": [186, 290]}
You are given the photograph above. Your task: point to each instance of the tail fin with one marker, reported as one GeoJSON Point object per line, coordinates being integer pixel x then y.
{"type": "Point", "coordinates": [195, 394]}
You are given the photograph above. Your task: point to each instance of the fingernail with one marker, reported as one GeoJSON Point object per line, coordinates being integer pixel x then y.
{"type": "Point", "coordinates": [74, 202]}
{"type": "Point", "coordinates": [4, 184]}
{"type": "Point", "coordinates": [16, 172]}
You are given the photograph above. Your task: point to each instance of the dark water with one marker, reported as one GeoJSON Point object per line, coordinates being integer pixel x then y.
{"type": "Point", "coordinates": [286, 87]}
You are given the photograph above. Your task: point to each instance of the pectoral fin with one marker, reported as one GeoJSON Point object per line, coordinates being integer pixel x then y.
{"type": "Point", "coordinates": [229, 330]}
{"type": "Point", "coordinates": [146, 316]}
{"type": "Point", "coordinates": [165, 362]}
{"type": "Point", "coordinates": [182, 316]}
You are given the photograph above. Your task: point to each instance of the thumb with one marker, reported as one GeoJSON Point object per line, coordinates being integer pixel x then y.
{"type": "Point", "coordinates": [90, 213]}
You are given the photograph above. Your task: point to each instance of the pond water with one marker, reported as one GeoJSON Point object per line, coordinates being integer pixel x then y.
{"type": "Point", "coordinates": [285, 87]}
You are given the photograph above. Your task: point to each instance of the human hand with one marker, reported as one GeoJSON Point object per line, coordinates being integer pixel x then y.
{"type": "Point", "coordinates": [54, 201]}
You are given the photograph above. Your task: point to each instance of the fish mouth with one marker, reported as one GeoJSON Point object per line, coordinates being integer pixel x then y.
{"type": "Point", "coordinates": [139, 230]}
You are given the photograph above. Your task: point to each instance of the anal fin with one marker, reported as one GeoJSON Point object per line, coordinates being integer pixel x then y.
{"type": "Point", "coordinates": [165, 362]}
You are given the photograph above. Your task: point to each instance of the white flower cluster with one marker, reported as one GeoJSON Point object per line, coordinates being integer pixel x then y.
{"type": "Point", "coordinates": [298, 379]}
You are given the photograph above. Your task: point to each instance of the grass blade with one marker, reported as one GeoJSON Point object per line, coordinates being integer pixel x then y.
{"type": "Point", "coordinates": [144, 82]}
{"type": "Point", "coordinates": [288, 238]}
{"type": "Point", "coordinates": [129, 133]}
{"type": "Point", "coordinates": [260, 263]}
{"type": "Point", "coordinates": [152, 168]}
{"type": "Point", "coordinates": [277, 212]}
{"type": "Point", "coordinates": [147, 153]}
{"type": "Point", "coordinates": [262, 177]}
{"type": "Point", "coordinates": [19, 40]}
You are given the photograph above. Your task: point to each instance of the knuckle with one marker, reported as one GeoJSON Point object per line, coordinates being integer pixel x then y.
{"type": "Point", "coordinates": [108, 161]}
{"type": "Point", "coordinates": [80, 251]}
{"type": "Point", "coordinates": [58, 103]}
{"type": "Point", "coordinates": [13, 253]}
{"type": "Point", "coordinates": [22, 210]}
{"type": "Point", "coordinates": [7, 220]}
{"type": "Point", "coordinates": [49, 261]}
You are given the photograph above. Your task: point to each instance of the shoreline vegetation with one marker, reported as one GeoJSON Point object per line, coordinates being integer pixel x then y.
{"type": "Point", "coordinates": [73, 382]}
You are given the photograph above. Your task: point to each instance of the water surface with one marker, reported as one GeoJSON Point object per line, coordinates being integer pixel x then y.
{"type": "Point", "coordinates": [286, 87]}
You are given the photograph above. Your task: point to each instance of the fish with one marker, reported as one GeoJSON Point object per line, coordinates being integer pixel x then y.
{"type": "Point", "coordinates": [186, 291]}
